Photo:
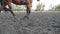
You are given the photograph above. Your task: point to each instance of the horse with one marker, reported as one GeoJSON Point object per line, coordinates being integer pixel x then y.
{"type": "Point", "coordinates": [28, 4]}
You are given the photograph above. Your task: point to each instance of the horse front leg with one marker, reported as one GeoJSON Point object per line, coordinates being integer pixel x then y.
{"type": "Point", "coordinates": [28, 11]}
{"type": "Point", "coordinates": [10, 9]}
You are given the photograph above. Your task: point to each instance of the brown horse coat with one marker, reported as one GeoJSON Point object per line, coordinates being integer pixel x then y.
{"type": "Point", "coordinates": [28, 4]}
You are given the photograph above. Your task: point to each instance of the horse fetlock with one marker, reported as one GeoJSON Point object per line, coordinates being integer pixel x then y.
{"type": "Point", "coordinates": [29, 12]}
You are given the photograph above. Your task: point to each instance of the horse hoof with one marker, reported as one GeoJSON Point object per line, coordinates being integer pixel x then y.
{"type": "Point", "coordinates": [25, 17]}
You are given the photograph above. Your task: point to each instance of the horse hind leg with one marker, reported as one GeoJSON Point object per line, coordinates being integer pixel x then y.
{"type": "Point", "coordinates": [1, 7]}
{"type": "Point", "coordinates": [0, 10]}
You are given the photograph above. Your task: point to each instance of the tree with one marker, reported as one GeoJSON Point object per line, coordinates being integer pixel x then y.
{"type": "Point", "coordinates": [40, 7]}
{"type": "Point", "coordinates": [57, 8]}
{"type": "Point", "coordinates": [18, 7]}
{"type": "Point", "coordinates": [51, 7]}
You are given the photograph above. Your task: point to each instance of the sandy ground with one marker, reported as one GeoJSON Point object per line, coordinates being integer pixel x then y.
{"type": "Point", "coordinates": [38, 23]}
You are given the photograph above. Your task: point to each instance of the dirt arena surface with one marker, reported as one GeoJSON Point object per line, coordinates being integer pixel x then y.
{"type": "Point", "coordinates": [38, 23]}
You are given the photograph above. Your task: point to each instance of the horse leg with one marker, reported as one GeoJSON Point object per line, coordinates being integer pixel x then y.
{"type": "Point", "coordinates": [10, 9]}
{"type": "Point", "coordinates": [1, 7]}
{"type": "Point", "coordinates": [28, 10]}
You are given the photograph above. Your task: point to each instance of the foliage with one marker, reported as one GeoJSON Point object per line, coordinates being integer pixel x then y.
{"type": "Point", "coordinates": [40, 7]}
{"type": "Point", "coordinates": [19, 8]}
{"type": "Point", "coordinates": [55, 8]}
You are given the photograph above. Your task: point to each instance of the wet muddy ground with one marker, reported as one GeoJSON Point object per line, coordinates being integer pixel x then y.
{"type": "Point", "coordinates": [38, 23]}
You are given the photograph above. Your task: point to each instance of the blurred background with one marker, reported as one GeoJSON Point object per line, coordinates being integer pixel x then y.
{"type": "Point", "coordinates": [44, 19]}
{"type": "Point", "coordinates": [42, 6]}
